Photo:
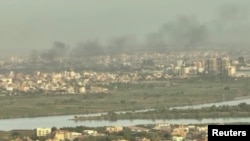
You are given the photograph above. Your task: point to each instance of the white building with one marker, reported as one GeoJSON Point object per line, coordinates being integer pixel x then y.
{"type": "Point", "coordinates": [231, 70]}
{"type": "Point", "coordinates": [43, 132]}
{"type": "Point", "coordinates": [82, 90]}
{"type": "Point", "coordinates": [90, 132]}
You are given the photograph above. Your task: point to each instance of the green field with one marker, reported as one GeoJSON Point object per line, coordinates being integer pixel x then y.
{"type": "Point", "coordinates": [143, 95]}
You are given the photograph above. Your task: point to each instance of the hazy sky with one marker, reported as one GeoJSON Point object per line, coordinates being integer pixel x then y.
{"type": "Point", "coordinates": [36, 24]}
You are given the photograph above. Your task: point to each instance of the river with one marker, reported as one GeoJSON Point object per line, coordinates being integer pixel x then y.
{"type": "Point", "coordinates": [230, 103]}
{"type": "Point", "coordinates": [63, 121]}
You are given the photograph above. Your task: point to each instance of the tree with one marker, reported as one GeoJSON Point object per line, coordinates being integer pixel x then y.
{"type": "Point", "coordinates": [243, 106]}
{"type": "Point", "coordinates": [226, 88]}
{"type": "Point", "coordinates": [15, 134]}
{"type": "Point", "coordinates": [112, 116]}
{"type": "Point", "coordinates": [53, 129]}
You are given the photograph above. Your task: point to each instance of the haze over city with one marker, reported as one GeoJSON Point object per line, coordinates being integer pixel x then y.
{"type": "Point", "coordinates": [113, 70]}
{"type": "Point", "coordinates": [36, 25]}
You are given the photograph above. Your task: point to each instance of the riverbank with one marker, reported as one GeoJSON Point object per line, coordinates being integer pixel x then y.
{"type": "Point", "coordinates": [125, 97]}
{"type": "Point", "coordinates": [225, 111]}
{"type": "Point", "coordinates": [63, 121]}
{"type": "Point", "coordinates": [100, 112]}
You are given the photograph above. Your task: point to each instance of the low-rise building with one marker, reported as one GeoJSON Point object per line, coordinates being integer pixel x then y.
{"type": "Point", "coordinates": [138, 129]}
{"type": "Point", "coordinates": [177, 138]}
{"type": "Point", "coordinates": [90, 132]}
{"type": "Point", "coordinates": [114, 129]}
{"type": "Point", "coordinates": [43, 132]}
{"type": "Point", "coordinates": [82, 90]}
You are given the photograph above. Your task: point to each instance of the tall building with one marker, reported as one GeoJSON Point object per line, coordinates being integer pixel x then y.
{"type": "Point", "coordinates": [241, 60]}
{"type": "Point", "coordinates": [211, 66]}
{"type": "Point", "coordinates": [225, 65]}
{"type": "Point", "coordinates": [218, 66]}
{"type": "Point", "coordinates": [219, 63]}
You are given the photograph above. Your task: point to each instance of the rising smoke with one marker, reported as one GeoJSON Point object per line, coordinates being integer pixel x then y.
{"type": "Point", "coordinates": [230, 28]}
{"type": "Point", "coordinates": [59, 49]}
{"type": "Point", "coordinates": [185, 33]}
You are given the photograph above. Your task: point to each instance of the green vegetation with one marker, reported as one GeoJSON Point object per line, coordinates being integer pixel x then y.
{"type": "Point", "coordinates": [142, 95]}
{"type": "Point", "coordinates": [125, 134]}
{"type": "Point", "coordinates": [241, 110]}
{"type": "Point", "coordinates": [16, 134]}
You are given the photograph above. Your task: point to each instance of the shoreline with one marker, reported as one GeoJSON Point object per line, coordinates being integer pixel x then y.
{"type": "Point", "coordinates": [184, 107]}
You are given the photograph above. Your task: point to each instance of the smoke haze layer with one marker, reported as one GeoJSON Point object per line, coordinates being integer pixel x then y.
{"type": "Point", "coordinates": [113, 27]}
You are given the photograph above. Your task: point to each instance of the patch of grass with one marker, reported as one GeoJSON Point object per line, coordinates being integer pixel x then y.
{"type": "Point", "coordinates": [138, 96]}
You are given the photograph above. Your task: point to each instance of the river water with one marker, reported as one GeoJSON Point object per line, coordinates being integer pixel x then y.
{"type": "Point", "coordinates": [230, 103]}
{"type": "Point", "coordinates": [63, 121]}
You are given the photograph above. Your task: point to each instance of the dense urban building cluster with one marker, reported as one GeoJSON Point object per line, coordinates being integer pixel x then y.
{"type": "Point", "coordinates": [162, 131]}
{"type": "Point", "coordinates": [97, 74]}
